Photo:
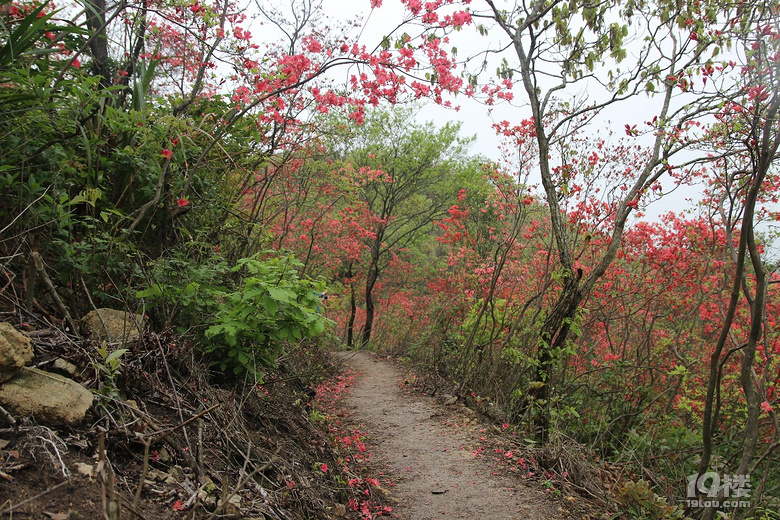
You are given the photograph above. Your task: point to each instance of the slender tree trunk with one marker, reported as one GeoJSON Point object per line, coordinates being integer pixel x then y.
{"type": "Point", "coordinates": [748, 248]}
{"type": "Point", "coordinates": [98, 47]}
{"type": "Point", "coordinates": [351, 323]}
{"type": "Point", "coordinates": [352, 309]}
{"type": "Point", "coordinates": [556, 327]}
{"type": "Point", "coordinates": [499, 261]}
{"type": "Point", "coordinates": [552, 338]}
{"type": "Point", "coordinates": [371, 279]}
{"type": "Point", "coordinates": [373, 275]}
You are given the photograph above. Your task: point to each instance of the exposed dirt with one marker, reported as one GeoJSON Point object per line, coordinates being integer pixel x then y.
{"type": "Point", "coordinates": [435, 453]}
{"type": "Point", "coordinates": [255, 442]}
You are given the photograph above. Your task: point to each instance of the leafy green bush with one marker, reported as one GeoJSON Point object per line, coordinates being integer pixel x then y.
{"type": "Point", "coordinates": [640, 503]}
{"type": "Point", "coordinates": [273, 306]}
{"type": "Point", "coordinates": [184, 293]}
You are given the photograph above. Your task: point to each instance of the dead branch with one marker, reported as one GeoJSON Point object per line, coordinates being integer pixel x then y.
{"type": "Point", "coordinates": [53, 291]}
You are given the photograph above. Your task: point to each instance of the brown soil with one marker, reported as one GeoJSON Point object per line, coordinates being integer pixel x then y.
{"type": "Point", "coordinates": [256, 442]}
{"type": "Point", "coordinates": [435, 453]}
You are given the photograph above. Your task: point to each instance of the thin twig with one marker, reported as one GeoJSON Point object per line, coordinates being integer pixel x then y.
{"type": "Point", "coordinates": [242, 482]}
{"type": "Point", "coordinates": [132, 509]}
{"type": "Point", "coordinates": [89, 297]}
{"type": "Point", "coordinates": [11, 422]}
{"type": "Point", "coordinates": [158, 436]}
{"type": "Point", "coordinates": [112, 508]}
{"type": "Point", "coordinates": [164, 433]}
{"type": "Point", "coordinates": [2, 231]}
{"type": "Point", "coordinates": [137, 500]}
{"type": "Point", "coordinates": [175, 393]}
{"type": "Point", "coordinates": [53, 291]}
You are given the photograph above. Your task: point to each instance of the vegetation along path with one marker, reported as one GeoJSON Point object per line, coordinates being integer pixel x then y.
{"type": "Point", "coordinates": [430, 451]}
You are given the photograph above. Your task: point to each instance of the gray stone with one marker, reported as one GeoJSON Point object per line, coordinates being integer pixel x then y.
{"type": "Point", "coordinates": [64, 367]}
{"type": "Point", "coordinates": [51, 399]}
{"type": "Point", "coordinates": [115, 327]}
{"type": "Point", "coordinates": [231, 508]}
{"type": "Point", "coordinates": [15, 351]}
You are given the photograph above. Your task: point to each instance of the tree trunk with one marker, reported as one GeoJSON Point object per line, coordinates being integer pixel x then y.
{"type": "Point", "coordinates": [373, 275]}
{"type": "Point", "coordinates": [352, 309]}
{"type": "Point", "coordinates": [552, 338]}
{"type": "Point", "coordinates": [371, 279]}
{"type": "Point", "coordinates": [98, 47]}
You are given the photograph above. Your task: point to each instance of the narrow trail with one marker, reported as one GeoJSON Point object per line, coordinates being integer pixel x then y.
{"type": "Point", "coordinates": [426, 447]}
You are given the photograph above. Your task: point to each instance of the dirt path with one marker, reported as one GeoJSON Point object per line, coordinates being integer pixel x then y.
{"type": "Point", "coordinates": [428, 450]}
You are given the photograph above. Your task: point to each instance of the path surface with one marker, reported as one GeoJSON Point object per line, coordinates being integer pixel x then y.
{"type": "Point", "coordinates": [417, 442]}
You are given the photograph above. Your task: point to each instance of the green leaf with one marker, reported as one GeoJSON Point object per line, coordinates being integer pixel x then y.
{"type": "Point", "coordinates": [319, 327]}
{"type": "Point", "coordinates": [270, 305]}
{"type": "Point", "coordinates": [118, 353]}
{"type": "Point", "coordinates": [281, 295]}
{"type": "Point", "coordinates": [155, 291]}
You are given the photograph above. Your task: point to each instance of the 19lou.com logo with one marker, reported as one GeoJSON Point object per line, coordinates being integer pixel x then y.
{"type": "Point", "coordinates": [727, 492]}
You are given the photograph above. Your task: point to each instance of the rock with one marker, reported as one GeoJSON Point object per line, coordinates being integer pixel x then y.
{"type": "Point", "coordinates": [88, 470]}
{"type": "Point", "coordinates": [115, 327]}
{"type": "Point", "coordinates": [51, 399]}
{"type": "Point", "coordinates": [231, 509]}
{"type": "Point", "coordinates": [164, 455]}
{"type": "Point", "coordinates": [205, 496]}
{"type": "Point", "coordinates": [64, 367]}
{"type": "Point", "coordinates": [173, 477]}
{"type": "Point", "coordinates": [155, 475]}
{"type": "Point", "coordinates": [15, 351]}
